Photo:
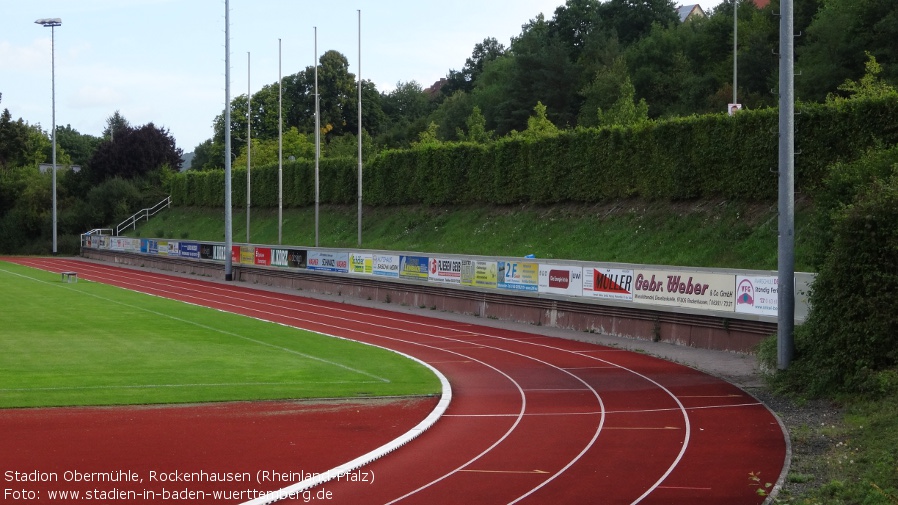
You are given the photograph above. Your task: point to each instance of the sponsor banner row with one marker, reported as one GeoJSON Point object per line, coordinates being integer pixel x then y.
{"type": "Point", "coordinates": [670, 288]}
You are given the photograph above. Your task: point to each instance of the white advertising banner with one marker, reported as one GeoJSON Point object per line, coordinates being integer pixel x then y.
{"type": "Point", "coordinates": [694, 290]}
{"type": "Point", "coordinates": [328, 261]}
{"type": "Point", "coordinates": [445, 270]}
{"type": "Point", "coordinates": [360, 263]}
{"type": "Point", "coordinates": [124, 244]}
{"type": "Point", "coordinates": [479, 273]}
{"type": "Point", "coordinates": [757, 295]}
{"type": "Point", "coordinates": [386, 265]}
{"type": "Point", "coordinates": [608, 283]}
{"type": "Point", "coordinates": [561, 280]}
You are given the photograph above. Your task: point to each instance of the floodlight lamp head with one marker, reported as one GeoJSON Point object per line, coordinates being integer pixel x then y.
{"type": "Point", "coordinates": [49, 22]}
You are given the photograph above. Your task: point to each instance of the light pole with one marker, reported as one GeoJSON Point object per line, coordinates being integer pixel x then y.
{"type": "Point", "coordinates": [53, 23]}
{"type": "Point", "coordinates": [229, 228]}
{"type": "Point", "coordinates": [249, 136]}
{"type": "Point", "coordinates": [735, 47]}
{"type": "Point", "coordinates": [360, 128]}
{"type": "Point", "coordinates": [280, 149]}
{"type": "Point", "coordinates": [317, 136]}
{"type": "Point", "coordinates": [785, 348]}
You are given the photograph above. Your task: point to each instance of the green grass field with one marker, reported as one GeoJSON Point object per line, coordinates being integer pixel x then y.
{"type": "Point", "coordinates": [91, 344]}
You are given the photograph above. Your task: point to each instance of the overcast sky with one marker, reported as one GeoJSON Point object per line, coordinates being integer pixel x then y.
{"type": "Point", "coordinates": [163, 61]}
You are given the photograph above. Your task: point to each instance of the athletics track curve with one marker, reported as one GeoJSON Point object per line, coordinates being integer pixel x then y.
{"type": "Point", "coordinates": [533, 419]}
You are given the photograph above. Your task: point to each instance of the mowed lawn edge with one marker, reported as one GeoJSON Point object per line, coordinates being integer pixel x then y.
{"type": "Point", "coordinates": [87, 343]}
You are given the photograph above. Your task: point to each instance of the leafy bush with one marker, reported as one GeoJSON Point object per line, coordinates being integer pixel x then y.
{"type": "Point", "coordinates": [848, 341]}
{"type": "Point", "coordinates": [841, 186]}
{"type": "Point", "coordinates": [113, 201]}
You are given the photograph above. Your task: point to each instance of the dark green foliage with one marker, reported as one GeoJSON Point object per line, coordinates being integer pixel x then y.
{"type": "Point", "coordinates": [133, 153]}
{"type": "Point", "coordinates": [840, 34]}
{"type": "Point", "coordinates": [113, 200]}
{"type": "Point", "coordinates": [80, 148]}
{"type": "Point", "coordinates": [679, 159]}
{"type": "Point", "coordinates": [208, 155]}
{"type": "Point", "coordinates": [464, 79]}
{"type": "Point", "coordinates": [633, 20]}
{"type": "Point", "coordinates": [849, 339]}
{"type": "Point", "coordinates": [840, 186]}
{"type": "Point", "coordinates": [21, 144]}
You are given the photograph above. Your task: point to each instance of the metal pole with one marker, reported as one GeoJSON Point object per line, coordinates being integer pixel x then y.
{"type": "Point", "coordinates": [317, 136]}
{"type": "Point", "coordinates": [735, 46]}
{"type": "Point", "coordinates": [249, 122]}
{"type": "Point", "coordinates": [786, 252]}
{"type": "Point", "coordinates": [360, 128]}
{"type": "Point", "coordinates": [53, 88]}
{"type": "Point", "coordinates": [52, 23]}
{"type": "Point", "coordinates": [280, 150]}
{"type": "Point", "coordinates": [227, 121]}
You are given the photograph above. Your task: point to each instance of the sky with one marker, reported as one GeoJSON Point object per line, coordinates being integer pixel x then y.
{"type": "Point", "coordinates": [163, 61]}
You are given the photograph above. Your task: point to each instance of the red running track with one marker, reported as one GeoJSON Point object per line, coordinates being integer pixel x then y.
{"type": "Point", "coordinates": [533, 419]}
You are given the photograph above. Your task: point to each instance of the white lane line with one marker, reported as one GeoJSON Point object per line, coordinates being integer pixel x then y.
{"type": "Point", "coordinates": [613, 412]}
{"type": "Point", "coordinates": [158, 386]}
{"type": "Point", "coordinates": [588, 367]}
{"type": "Point", "coordinates": [519, 472]}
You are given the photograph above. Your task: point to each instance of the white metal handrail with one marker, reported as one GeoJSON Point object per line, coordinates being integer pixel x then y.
{"type": "Point", "coordinates": [142, 214]}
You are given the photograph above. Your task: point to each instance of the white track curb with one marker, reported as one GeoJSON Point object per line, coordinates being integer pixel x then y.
{"type": "Point", "coordinates": [295, 490]}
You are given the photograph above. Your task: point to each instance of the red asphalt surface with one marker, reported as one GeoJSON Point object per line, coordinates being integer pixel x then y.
{"type": "Point", "coordinates": [533, 419]}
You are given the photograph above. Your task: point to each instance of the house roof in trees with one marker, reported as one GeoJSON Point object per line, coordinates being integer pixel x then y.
{"type": "Point", "coordinates": [434, 89]}
{"type": "Point", "coordinates": [689, 11]}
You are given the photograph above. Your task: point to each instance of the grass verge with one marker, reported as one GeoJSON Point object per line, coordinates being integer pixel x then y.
{"type": "Point", "coordinates": [700, 233]}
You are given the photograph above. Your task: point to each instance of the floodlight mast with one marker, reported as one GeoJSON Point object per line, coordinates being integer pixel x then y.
{"type": "Point", "coordinates": [229, 276]}
{"type": "Point", "coordinates": [52, 23]}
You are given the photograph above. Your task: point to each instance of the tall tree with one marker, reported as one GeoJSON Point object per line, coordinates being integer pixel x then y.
{"type": "Point", "coordinates": [134, 152]}
{"type": "Point", "coordinates": [265, 151]}
{"type": "Point", "coordinates": [452, 114]}
{"type": "Point", "coordinates": [79, 146]}
{"type": "Point", "coordinates": [538, 68]}
{"type": "Point", "coordinates": [115, 124]}
{"type": "Point", "coordinates": [837, 40]}
{"type": "Point", "coordinates": [493, 94]}
{"type": "Point", "coordinates": [633, 19]}
{"type": "Point", "coordinates": [463, 80]}
{"type": "Point", "coordinates": [406, 109]}
{"type": "Point", "coordinates": [21, 144]}
{"type": "Point", "coordinates": [208, 156]}
{"type": "Point", "coordinates": [13, 141]}
{"type": "Point", "coordinates": [602, 92]}
{"type": "Point", "coordinates": [575, 23]}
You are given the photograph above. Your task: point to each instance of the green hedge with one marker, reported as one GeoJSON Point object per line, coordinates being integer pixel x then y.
{"type": "Point", "coordinates": [683, 158]}
{"type": "Point", "coordinates": [337, 184]}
